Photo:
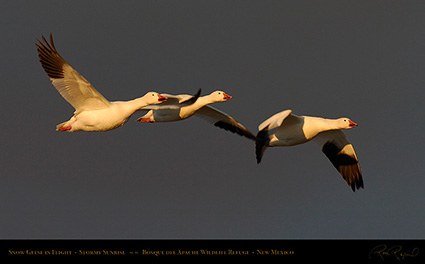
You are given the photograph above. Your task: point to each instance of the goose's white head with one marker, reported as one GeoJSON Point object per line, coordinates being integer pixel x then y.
{"type": "Point", "coordinates": [346, 123]}
{"type": "Point", "coordinates": [154, 98]}
{"type": "Point", "coordinates": [219, 96]}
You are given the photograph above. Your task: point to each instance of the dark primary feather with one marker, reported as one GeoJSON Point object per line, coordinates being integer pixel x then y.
{"type": "Point", "coordinates": [235, 129]}
{"type": "Point", "coordinates": [223, 120]}
{"type": "Point", "coordinates": [261, 144]}
{"type": "Point", "coordinates": [347, 166]}
{"type": "Point", "coordinates": [192, 99]}
{"type": "Point", "coordinates": [50, 59]}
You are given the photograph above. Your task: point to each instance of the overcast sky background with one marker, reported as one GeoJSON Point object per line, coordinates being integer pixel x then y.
{"type": "Point", "coordinates": [189, 179]}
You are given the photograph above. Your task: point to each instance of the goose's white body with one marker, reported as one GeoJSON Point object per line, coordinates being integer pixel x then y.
{"type": "Point", "coordinates": [115, 115]}
{"type": "Point", "coordinates": [92, 111]}
{"type": "Point", "coordinates": [163, 114]}
{"type": "Point", "coordinates": [293, 130]}
{"type": "Point", "coordinates": [177, 107]}
{"type": "Point", "coordinates": [200, 108]}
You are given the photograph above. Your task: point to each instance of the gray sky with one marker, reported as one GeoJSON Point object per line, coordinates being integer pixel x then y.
{"type": "Point", "coordinates": [361, 59]}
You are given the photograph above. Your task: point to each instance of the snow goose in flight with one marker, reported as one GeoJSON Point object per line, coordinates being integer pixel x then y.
{"type": "Point", "coordinates": [92, 111]}
{"type": "Point", "coordinates": [293, 130]}
{"type": "Point", "coordinates": [200, 108]}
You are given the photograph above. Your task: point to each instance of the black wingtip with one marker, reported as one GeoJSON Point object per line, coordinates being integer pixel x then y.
{"type": "Point", "coordinates": [261, 144]}
{"type": "Point", "coordinates": [193, 99]}
{"type": "Point", "coordinates": [358, 183]}
{"type": "Point", "coordinates": [50, 59]}
{"type": "Point", "coordinates": [352, 176]}
{"type": "Point", "coordinates": [198, 93]}
{"type": "Point", "coordinates": [347, 166]}
{"type": "Point", "coordinates": [234, 129]}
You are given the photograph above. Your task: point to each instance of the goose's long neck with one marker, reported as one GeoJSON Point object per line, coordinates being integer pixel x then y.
{"type": "Point", "coordinates": [133, 105]}
{"type": "Point", "coordinates": [189, 110]}
{"type": "Point", "coordinates": [328, 124]}
{"type": "Point", "coordinates": [316, 125]}
{"type": "Point", "coordinates": [202, 101]}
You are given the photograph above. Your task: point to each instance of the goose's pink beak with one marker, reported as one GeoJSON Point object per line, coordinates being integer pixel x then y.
{"type": "Point", "coordinates": [226, 96]}
{"type": "Point", "coordinates": [352, 124]}
{"type": "Point", "coordinates": [162, 98]}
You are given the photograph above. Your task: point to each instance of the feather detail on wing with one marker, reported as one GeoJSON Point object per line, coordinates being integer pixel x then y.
{"type": "Point", "coordinates": [73, 87]}
{"type": "Point", "coordinates": [341, 153]}
{"type": "Point", "coordinates": [275, 120]}
{"type": "Point", "coordinates": [224, 121]}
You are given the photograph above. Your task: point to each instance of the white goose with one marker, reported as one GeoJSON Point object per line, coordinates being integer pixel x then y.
{"type": "Point", "coordinates": [199, 108]}
{"type": "Point", "coordinates": [293, 130]}
{"type": "Point", "coordinates": [92, 111]}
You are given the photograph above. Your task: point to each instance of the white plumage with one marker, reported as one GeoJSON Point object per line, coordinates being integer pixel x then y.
{"type": "Point", "coordinates": [293, 130]}
{"type": "Point", "coordinates": [92, 111]}
{"type": "Point", "coordinates": [199, 108]}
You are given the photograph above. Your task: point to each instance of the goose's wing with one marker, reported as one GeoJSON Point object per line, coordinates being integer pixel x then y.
{"type": "Point", "coordinates": [223, 120]}
{"type": "Point", "coordinates": [275, 120]}
{"type": "Point", "coordinates": [174, 101]}
{"type": "Point", "coordinates": [73, 87]}
{"type": "Point", "coordinates": [341, 153]}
